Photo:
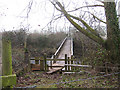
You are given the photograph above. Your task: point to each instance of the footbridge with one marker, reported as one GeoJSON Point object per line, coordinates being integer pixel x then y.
{"type": "Point", "coordinates": [62, 60]}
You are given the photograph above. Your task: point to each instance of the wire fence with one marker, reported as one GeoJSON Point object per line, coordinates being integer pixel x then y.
{"type": "Point", "coordinates": [34, 86]}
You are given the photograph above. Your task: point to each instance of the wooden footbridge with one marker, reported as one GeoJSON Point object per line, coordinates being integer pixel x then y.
{"type": "Point", "coordinates": [63, 59]}
{"type": "Point", "coordinates": [64, 52]}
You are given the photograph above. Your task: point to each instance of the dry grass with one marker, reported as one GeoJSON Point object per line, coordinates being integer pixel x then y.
{"type": "Point", "coordinates": [43, 80]}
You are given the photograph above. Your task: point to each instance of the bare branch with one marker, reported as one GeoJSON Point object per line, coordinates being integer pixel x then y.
{"type": "Point", "coordinates": [96, 17]}
{"type": "Point", "coordinates": [85, 24]}
{"type": "Point", "coordinates": [100, 1]}
{"type": "Point", "coordinates": [55, 6]}
{"type": "Point", "coordinates": [52, 20]}
{"type": "Point", "coordinates": [88, 34]}
{"type": "Point", "coordinates": [86, 7]}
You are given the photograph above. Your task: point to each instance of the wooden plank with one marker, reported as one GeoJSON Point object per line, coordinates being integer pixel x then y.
{"type": "Point", "coordinates": [35, 67]}
{"type": "Point", "coordinates": [49, 59]}
{"type": "Point", "coordinates": [8, 80]}
{"type": "Point", "coordinates": [76, 65]}
{"type": "Point", "coordinates": [40, 58]}
{"type": "Point", "coordinates": [61, 59]}
{"type": "Point", "coordinates": [72, 72]}
{"type": "Point", "coordinates": [54, 70]}
{"type": "Point", "coordinates": [55, 66]}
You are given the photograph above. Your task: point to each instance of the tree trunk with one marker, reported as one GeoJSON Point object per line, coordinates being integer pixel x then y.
{"type": "Point", "coordinates": [113, 33]}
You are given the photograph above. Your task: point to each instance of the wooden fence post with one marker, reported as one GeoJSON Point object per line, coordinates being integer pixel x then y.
{"type": "Point", "coordinates": [72, 63]}
{"type": "Point", "coordinates": [27, 60]}
{"type": "Point", "coordinates": [36, 60]}
{"type": "Point", "coordinates": [65, 62]}
{"type": "Point", "coordinates": [42, 63]}
{"type": "Point", "coordinates": [45, 61]}
{"type": "Point", "coordinates": [68, 63]}
{"type": "Point", "coordinates": [54, 57]}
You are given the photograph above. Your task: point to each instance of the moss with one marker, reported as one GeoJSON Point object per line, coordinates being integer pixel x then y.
{"type": "Point", "coordinates": [85, 24]}
{"type": "Point", "coordinates": [113, 32]}
{"type": "Point", "coordinates": [6, 57]}
{"type": "Point", "coordinates": [8, 80]}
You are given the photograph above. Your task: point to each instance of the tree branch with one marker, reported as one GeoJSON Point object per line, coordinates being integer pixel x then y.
{"type": "Point", "coordinates": [86, 7]}
{"type": "Point", "coordinates": [85, 24]}
{"type": "Point", "coordinates": [88, 34]}
{"type": "Point", "coordinates": [96, 17]}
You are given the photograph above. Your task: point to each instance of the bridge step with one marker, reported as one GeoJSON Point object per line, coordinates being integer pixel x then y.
{"type": "Point", "coordinates": [54, 70]}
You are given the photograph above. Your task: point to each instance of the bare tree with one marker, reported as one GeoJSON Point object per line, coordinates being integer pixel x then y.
{"type": "Point", "coordinates": [112, 44]}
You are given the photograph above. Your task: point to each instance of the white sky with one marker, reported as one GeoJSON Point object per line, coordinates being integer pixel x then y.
{"type": "Point", "coordinates": [14, 10]}
{"type": "Point", "coordinates": [41, 13]}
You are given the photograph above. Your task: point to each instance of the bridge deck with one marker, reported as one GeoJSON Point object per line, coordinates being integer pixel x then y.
{"type": "Point", "coordinates": [66, 49]}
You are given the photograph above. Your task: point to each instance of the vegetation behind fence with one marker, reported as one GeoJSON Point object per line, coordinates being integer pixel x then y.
{"type": "Point", "coordinates": [37, 45]}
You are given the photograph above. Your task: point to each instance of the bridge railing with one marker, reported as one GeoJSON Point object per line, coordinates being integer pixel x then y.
{"type": "Point", "coordinates": [59, 49]}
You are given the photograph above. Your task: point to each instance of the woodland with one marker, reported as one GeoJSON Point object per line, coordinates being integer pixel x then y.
{"type": "Point", "coordinates": [96, 42]}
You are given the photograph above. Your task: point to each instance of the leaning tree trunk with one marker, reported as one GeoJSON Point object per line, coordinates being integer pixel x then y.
{"type": "Point", "coordinates": [113, 33]}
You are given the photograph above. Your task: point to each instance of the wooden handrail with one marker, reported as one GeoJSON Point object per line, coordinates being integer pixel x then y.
{"type": "Point", "coordinates": [77, 65]}
{"type": "Point", "coordinates": [49, 59]}
{"type": "Point", "coordinates": [58, 50]}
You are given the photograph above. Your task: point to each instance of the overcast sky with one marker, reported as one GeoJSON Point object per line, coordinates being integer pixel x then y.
{"type": "Point", "coordinates": [13, 12]}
